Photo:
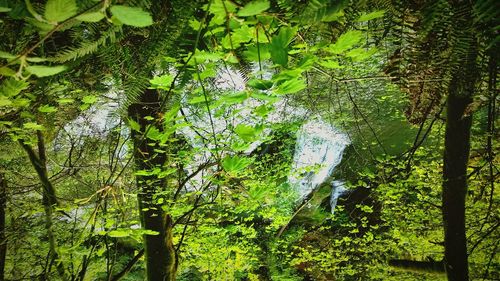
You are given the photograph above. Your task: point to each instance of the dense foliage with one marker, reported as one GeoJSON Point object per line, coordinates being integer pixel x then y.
{"type": "Point", "coordinates": [158, 140]}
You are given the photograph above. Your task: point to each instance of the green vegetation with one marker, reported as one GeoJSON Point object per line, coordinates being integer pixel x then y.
{"type": "Point", "coordinates": [161, 140]}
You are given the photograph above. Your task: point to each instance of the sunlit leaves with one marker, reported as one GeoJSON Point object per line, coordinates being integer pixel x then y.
{"type": "Point", "coordinates": [47, 109]}
{"type": "Point", "coordinates": [279, 45]}
{"type": "Point", "coordinates": [346, 41]}
{"type": "Point", "coordinates": [371, 16]}
{"type": "Point", "coordinates": [233, 164]}
{"type": "Point", "coordinates": [254, 8]}
{"type": "Point", "coordinates": [132, 16]}
{"type": "Point", "coordinates": [260, 84]}
{"type": "Point", "coordinates": [162, 82]}
{"type": "Point", "coordinates": [43, 71]}
{"type": "Point", "coordinates": [12, 87]}
{"type": "Point", "coordinates": [248, 133]}
{"type": "Point", "coordinates": [291, 86]}
{"type": "Point", "coordinates": [60, 10]}
{"type": "Point", "coordinates": [91, 17]}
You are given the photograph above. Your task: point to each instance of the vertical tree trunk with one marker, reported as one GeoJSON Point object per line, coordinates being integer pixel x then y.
{"type": "Point", "coordinates": [3, 241]}
{"type": "Point", "coordinates": [49, 198]}
{"type": "Point", "coordinates": [457, 145]}
{"type": "Point", "coordinates": [160, 255]}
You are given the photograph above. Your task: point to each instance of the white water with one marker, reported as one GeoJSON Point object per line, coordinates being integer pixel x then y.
{"type": "Point", "coordinates": [318, 151]}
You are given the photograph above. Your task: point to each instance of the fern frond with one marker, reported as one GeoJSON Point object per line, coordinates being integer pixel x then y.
{"type": "Point", "coordinates": [88, 47]}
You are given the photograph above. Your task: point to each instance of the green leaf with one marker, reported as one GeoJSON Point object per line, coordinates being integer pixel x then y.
{"type": "Point", "coordinates": [253, 8]}
{"type": "Point", "coordinates": [279, 45]}
{"type": "Point", "coordinates": [12, 87]}
{"type": "Point", "coordinates": [91, 17]}
{"type": "Point", "coordinates": [262, 96]}
{"type": "Point", "coordinates": [5, 9]}
{"type": "Point", "coordinates": [4, 101]}
{"type": "Point", "coordinates": [330, 64]}
{"type": "Point", "coordinates": [119, 233]}
{"type": "Point", "coordinates": [5, 55]}
{"type": "Point", "coordinates": [47, 109]}
{"type": "Point", "coordinates": [65, 100]}
{"type": "Point", "coordinates": [346, 41]}
{"type": "Point", "coordinates": [248, 133]}
{"type": "Point", "coordinates": [235, 163]}
{"type": "Point", "coordinates": [371, 16]}
{"type": "Point", "coordinates": [260, 84]}
{"type": "Point", "coordinates": [134, 125]}
{"type": "Point", "coordinates": [5, 71]}
{"type": "Point", "coordinates": [162, 82]}
{"type": "Point", "coordinates": [291, 86]}
{"type": "Point", "coordinates": [234, 98]}
{"type": "Point", "coordinates": [43, 71]}
{"type": "Point", "coordinates": [133, 16]}
{"type": "Point", "coordinates": [33, 126]}
{"type": "Point", "coordinates": [60, 10]}
{"type": "Point", "coordinates": [90, 99]}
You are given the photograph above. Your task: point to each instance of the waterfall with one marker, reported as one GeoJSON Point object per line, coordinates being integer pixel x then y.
{"type": "Point", "coordinates": [318, 151]}
{"type": "Point", "coordinates": [338, 189]}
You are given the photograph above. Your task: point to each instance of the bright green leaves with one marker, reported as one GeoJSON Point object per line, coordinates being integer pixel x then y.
{"type": "Point", "coordinates": [47, 109]}
{"type": "Point", "coordinates": [279, 45]}
{"type": "Point", "coordinates": [132, 16]}
{"type": "Point", "coordinates": [91, 17]}
{"type": "Point", "coordinates": [163, 82]}
{"type": "Point", "coordinates": [346, 41]}
{"type": "Point", "coordinates": [248, 133]}
{"type": "Point", "coordinates": [260, 84]}
{"type": "Point", "coordinates": [5, 9]}
{"type": "Point", "coordinates": [43, 71]}
{"type": "Point", "coordinates": [235, 164]}
{"type": "Point", "coordinates": [60, 10]}
{"type": "Point", "coordinates": [291, 86]}
{"type": "Point", "coordinates": [220, 9]}
{"type": "Point", "coordinates": [371, 16]}
{"type": "Point", "coordinates": [12, 87]}
{"type": "Point", "coordinates": [254, 8]}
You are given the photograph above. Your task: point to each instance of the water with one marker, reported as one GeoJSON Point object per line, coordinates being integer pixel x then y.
{"type": "Point", "coordinates": [318, 151]}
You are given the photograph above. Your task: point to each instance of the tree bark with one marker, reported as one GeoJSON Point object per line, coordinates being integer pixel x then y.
{"type": "Point", "coordinates": [457, 146]}
{"type": "Point", "coordinates": [159, 250]}
{"type": "Point", "coordinates": [3, 241]}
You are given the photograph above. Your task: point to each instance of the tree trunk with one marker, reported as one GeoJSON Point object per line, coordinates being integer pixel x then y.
{"type": "Point", "coordinates": [49, 199]}
{"type": "Point", "coordinates": [3, 241]}
{"type": "Point", "coordinates": [160, 254]}
{"type": "Point", "coordinates": [457, 146]}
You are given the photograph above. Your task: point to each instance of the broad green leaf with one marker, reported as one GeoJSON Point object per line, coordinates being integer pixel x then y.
{"type": "Point", "coordinates": [5, 71]}
{"type": "Point", "coordinates": [234, 98]}
{"type": "Point", "coordinates": [133, 16]}
{"type": "Point", "coordinates": [197, 99]}
{"type": "Point", "coordinates": [247, 133]}
{"type": "Point", "coordinates": [262, 96]}
{"type": "Point", "coordinates": [119, 233]}
{"type": "Point", "coordinates": [33, 126]}
{"type": "Point", "coordinates": [47, 109]}
{"type": "Point", "coordinates": [360, 54]}
{"type": "Point", "coordinates": [253, 8]}
{"type": "Point", "coordinates": [134, 125]}
{"type": "Point", "coordinates": [371, 16]}
{"type": "Point", "coordinates": [36, 59]}
{"type": "Point", "coordinates": [254, 53]}
{"type": "Point", "coordinates": [291, 86]}
{"type": "Point", "coordinates": [65, 100]}
{"type": "Point", "coordinates": [60, 10]}
{"type": "Point", "coordinates": [330, 64]}
{"type": "Point", "coordinates": [346, 41]}
{"type": "Point", "coordinates": [4, 101]}
{"type": "Point", "coordinates": [5, 55]}
{"type": "Point", "coordinates": [162, 82]}
{"type": "Point", "coordinates": [43, 71]}
{"type": "Point", "coordinates": [91, 17]}
{"type": "Point", "coordinates": [12, 87]}
{"type": "Point", "coordinates": [260, 84]}
{"type": "Point", "coordinates": [218, 10]}
{"type": "Point", "coordinates": [5, 9]}
{"type": "Point", "coordinates": [235, 163]}
{"type": "Point", "coordinates": [90, 99]}
{"type": "Point", "coordinates": [279, 45]}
